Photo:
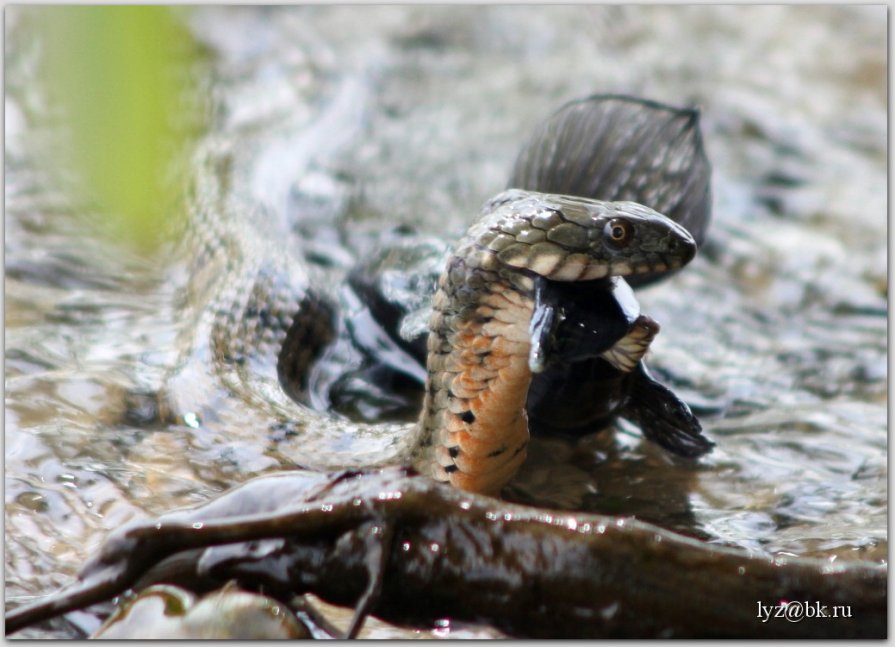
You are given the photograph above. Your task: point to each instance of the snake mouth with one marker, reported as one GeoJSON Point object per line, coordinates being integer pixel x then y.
{"type": "Point", "coordinates": [577, 268]}
{"type": "Point", "coordinates": [627, 268]}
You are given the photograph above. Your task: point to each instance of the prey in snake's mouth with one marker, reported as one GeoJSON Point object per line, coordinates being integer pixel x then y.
{"type": "Point", "coordinates": [590, 338]}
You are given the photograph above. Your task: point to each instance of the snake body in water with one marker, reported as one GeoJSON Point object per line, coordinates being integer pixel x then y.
{"type": "Point", "coordinates": [491, 324]}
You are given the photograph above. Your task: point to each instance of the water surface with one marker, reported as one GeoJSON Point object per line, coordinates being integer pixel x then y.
{"type": "Point", "coordinates": [353, 120]}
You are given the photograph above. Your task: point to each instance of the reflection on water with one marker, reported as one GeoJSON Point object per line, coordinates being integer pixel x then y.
{"type": "Point", "coordinates": [359, 119]}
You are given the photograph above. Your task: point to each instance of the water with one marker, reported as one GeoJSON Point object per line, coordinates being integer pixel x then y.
{"type": "Point", "coordinates": [360, 119]}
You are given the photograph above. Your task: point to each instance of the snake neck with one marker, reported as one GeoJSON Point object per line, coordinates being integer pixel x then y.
{"type": "Point", "coordinates": [473, 426]}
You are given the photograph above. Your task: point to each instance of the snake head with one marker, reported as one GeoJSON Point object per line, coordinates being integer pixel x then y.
{"type": "Point", "coordinates": [639, 239]}
{"type": "Point", "coordinates": [567, 238]}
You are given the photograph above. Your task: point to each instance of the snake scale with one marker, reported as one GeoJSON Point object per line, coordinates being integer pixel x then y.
{"type": "Point", "coordinates": [259, 322]}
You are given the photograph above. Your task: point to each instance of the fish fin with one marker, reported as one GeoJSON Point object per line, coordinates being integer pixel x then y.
{"type": "Point", "coordinates": [663, 418]}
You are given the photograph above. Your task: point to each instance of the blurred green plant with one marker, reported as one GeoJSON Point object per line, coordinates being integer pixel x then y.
{"type": "Point", "coordinates": [116, 76]}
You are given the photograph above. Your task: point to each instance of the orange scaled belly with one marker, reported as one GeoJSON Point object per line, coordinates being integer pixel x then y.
{"type": "Point", "coordinates": [485, 428]}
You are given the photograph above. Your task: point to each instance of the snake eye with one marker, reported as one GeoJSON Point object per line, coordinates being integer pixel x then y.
{"type": "Point", "coordinates": [617, 232]}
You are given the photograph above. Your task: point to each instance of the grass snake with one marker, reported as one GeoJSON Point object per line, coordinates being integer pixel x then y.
{"type": "Point", "coordinates": [260, 320]}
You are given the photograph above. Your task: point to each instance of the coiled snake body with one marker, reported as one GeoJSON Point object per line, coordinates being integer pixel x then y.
{"type": "Point", "coordinates": [490, 326]}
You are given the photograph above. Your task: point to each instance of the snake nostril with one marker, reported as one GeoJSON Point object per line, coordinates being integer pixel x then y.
{"type": "Point", "coordinates": [684, 250]}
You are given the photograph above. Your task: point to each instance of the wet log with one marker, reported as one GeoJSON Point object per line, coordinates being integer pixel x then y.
{"type": "Point", "coordinates": [412, 551]}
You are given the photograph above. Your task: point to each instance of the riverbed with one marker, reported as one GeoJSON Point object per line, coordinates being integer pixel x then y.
{"type": "Point", "coordinates": [361, 119]}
